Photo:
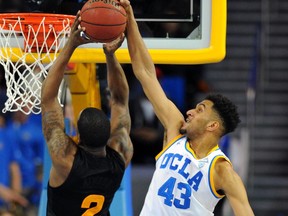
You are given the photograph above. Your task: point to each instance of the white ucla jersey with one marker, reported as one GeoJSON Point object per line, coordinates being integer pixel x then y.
{"type": "Point", "coordinates": [182, 184]}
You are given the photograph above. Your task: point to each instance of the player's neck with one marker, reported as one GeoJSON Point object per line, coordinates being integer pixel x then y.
{"type": "Point", "coordinates": [101, 151]}
{"type": "Point", "coordinates": [202, 147]}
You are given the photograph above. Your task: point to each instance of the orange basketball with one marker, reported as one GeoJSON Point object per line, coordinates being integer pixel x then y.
{"type": "Point", "coordinates": [104, 20]}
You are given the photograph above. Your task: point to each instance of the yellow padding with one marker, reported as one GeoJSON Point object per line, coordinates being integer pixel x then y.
{"type": "Point", "coordinates": [84, 86]}
{"type": "Point", "coordinates": [79, 77]}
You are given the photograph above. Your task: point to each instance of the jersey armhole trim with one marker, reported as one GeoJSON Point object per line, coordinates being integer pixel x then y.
{"type": "Point", "coordinates": [210, 176]}
{"type": "Point", "coordinates": [168, 145]}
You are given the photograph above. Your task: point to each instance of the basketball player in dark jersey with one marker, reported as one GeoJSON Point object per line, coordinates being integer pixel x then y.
{"type": "Point", "coordinates": [85, 176]}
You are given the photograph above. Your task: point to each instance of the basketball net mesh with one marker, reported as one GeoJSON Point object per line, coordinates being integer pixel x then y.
{"type": "Point", "coordinates": [24, 68]}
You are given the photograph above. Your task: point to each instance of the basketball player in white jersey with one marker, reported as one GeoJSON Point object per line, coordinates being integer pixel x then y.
{"type": "Point", "coordinates": [192, 174]}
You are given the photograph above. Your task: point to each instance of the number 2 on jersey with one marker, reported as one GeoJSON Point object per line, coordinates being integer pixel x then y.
{"type": "Point", "coordinates": [99, 199]}
{"type": "Point", "coordinates": [166, 191]}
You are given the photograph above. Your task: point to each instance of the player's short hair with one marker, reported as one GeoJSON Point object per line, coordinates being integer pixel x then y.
{"type": "Point", "coordinates": [93, 127]}
{"type": "Point", "coordinates": [226, 110]}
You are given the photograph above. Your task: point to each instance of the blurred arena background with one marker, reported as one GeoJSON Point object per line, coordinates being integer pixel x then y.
{"type": "Point", "coordinates": [254, 74]}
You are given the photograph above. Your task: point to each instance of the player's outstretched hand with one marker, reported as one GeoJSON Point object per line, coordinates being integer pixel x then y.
{"type": "Point", "coordinates": [77, 34]}
{"type": "Point", "coordinates": [111, 47]}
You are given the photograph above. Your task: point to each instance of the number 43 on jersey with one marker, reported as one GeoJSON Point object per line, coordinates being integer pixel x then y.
{"type": "Point", "coordinates": [167, 191]}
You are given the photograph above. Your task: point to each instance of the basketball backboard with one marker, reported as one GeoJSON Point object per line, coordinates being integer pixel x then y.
{"type": "Point", "coordinates": [202, 37]}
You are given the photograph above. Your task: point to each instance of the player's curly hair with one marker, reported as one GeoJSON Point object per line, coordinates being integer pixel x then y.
{"type": "Point", "coordinates": [226, 110]}
{"type": "Point", "coordinates": [93, 127]}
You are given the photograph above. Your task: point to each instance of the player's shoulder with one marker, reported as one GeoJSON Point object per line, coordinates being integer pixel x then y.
{"type": "Point", "coordinates": [223, 166]}
{"type": "Point", "coordinates": [224, 174]}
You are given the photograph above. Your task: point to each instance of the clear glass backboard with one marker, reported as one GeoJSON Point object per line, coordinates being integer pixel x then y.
{"type": "Point", "coordinates": [175, 31]}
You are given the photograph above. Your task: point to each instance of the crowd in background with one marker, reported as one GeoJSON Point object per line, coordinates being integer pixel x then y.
{"type": "Point", "coordinates": [21, 159]}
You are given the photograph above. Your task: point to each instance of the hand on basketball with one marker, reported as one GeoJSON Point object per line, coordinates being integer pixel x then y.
{"type": "Point", "coordinates": [110, 48]}
{"type": "Point", "coordinates": [125, 4]}
{"type": "Point", "coordinates": [76, 34]}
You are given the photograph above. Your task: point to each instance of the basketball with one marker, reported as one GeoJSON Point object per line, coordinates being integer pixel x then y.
{"type": "Point", "coordinates": [104, 20]}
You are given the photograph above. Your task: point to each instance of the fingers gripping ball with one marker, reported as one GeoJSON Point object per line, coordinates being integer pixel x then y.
{"type": "Point", "coordinates": [104, 20]}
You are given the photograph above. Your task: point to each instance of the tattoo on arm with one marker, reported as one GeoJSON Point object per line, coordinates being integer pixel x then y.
{"type": "Point", "coordinates": [120, 140]}
{"type": "Point", "coordinates": [53, 129]}
{"type": "Point", "coordinates": [125, 122]}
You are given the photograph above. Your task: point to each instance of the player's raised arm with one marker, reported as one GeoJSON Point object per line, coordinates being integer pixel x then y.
{"type": "Point", "coordinates": [119, 89]}
{"type": "Point", "coordinates": [52, 113]}
{"type": "Point", "coordinates": [144, 70]}
{"type": "Point", "coordinates": [51, 84]}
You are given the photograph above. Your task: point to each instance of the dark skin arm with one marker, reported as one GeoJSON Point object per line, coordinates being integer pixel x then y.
{"type": "Point", "coordinates": [60, 146]}
{"type": "Point", "coordinates": [119, 89]}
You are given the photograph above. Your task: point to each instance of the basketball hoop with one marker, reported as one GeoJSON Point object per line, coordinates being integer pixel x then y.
{"type": "Point", "coordinates": [29, 43]}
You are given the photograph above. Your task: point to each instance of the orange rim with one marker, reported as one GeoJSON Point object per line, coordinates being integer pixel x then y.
{"type": "Point", "coordinates": [33, 19]}
{"type": "Point", "coordinates": [40, 22]}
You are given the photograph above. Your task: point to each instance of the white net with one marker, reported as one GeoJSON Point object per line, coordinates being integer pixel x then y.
{"type": "Point", "coordinates": [26, 53]}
